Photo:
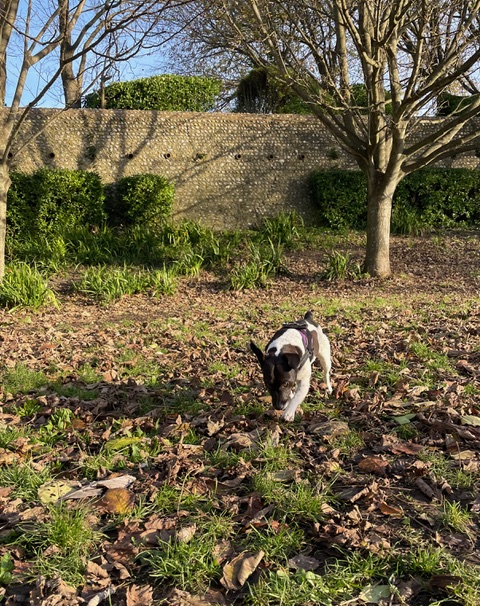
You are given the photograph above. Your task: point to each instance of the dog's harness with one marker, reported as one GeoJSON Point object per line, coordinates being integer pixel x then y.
{"type": "Point", "coordinates": [302, 327]}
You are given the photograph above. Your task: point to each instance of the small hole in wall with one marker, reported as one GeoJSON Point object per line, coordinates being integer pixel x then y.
{"type": "Point", "coordinates": [271, 156]}
{"type": "Point", "coordinates": [167, 156]}
{"type": "Point", "coordinates": [51, 155]}
{"type": "Point", "coordinates": [129, 156]}
{"type": "Point", "coordinates": [200, 156]}
{"type": "Point", "coordinates": [238, 156]}
{"type": "Point", "coordinates": [301, 156]}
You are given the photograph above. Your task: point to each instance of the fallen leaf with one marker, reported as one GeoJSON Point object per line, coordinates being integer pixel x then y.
{"type": "Point", "coordinates": [51, 492]}
{"type": "Point", "coordinates": [373, 594]}
{"type": "Point", "coordinates": [237, 571]}
{"type": "Point", "coordinates": [303, 562]}
{"type": "Point", "coordinates": [374, 465]}
{"type": "Point", "coordinates": [463, 455]}
{"type": "Point", "coordinates": [388, 510]}
{"type": "Point", "coordinates": [117, 500]}
{"type": "Point", "coordinates": [139, 595]}
{"type": "Point", "coordinates": [470, 420]}
{"type": "Point", "coordinates": [117, 482]}
{"type": "Point", "coordinates": [186, 534]}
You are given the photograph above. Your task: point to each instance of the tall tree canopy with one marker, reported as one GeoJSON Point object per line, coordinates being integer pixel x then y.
{"type": "Point", "coordinates": [405, 52]}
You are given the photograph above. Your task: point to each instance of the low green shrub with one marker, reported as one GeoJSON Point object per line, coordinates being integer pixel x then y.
{"type": "Point", "coordinates": [341, 196]}
{"type": "Point", "coordinates": [441, 197]}
{"type": "Point", "coordinates": [145, 200]}
{"type": "Point", "coordinates": [50, 199]}
{"type": "Point", "coordinates": [427, 199]}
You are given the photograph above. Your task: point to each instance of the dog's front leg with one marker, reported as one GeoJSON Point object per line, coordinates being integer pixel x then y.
{"type": "Point", "coordinates": [303, 386]}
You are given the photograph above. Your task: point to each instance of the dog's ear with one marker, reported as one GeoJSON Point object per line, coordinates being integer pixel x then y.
{"type": "Point", "coordinates": [258, 352]}
{"type": "Point", "coordinates": [308, 316]}
{"type": "Point", "coordinates": [292, 355]}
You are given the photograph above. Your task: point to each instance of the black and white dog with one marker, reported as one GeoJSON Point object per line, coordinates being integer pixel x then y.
{"type": "Point", "coordinates": [287, 363]}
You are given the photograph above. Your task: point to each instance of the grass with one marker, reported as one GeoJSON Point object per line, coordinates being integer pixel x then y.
{"type": "Point", "coordinates": [61, 544]}
{"type": "Point", "coordinates": [191, 565]}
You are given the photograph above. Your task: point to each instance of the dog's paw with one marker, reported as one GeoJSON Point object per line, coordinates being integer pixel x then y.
{"type": "Point", "coordinates": [288, 415]}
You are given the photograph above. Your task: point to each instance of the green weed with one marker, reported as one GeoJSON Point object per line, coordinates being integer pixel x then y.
{"type": "Point", "coordinates": [25, 286]}
{"type": "Point", "coordinates": [341, 267]}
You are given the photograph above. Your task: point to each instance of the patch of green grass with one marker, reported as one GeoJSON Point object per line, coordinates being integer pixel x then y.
{"type": "Point", "coordinates": [275, 456]}
{"type": "Point", "coordinates": [170, 499]}
{"type": "Point", "coordinates": [278, 544]}
{"type": "Point", "coordinates": [291, 500]}
{"type": "Point", "coordinates": [68, 536]}
{"type": "Point", "coordinates": [341, 267]}
{"type": "Point", "coordinates": [456, 517]}
{"type": "Point", "coordinates": [345, 578]}
{"type": "Point", "coordinates": [9, 435]}
{"type": "Point", "coordinates": [74, 390]}
{"type": "Point", "coordinates": [88, 374]}
{"type": "Point", "coordinates": [25, 480]}
{"type": "Point", "coordinates": [23, 379]}
{"type": "Point", "coordinates": [389, 374]}
{"type": "Point", "coordinates": [434, 360]}
{"type": "Point", "coordinates": [107, 284]}
{"type": "Point", "coordinates": [443, 467]}
{"type": "Point", "coordinates": [96, 465]}
{"type": "Point", "coordinates": [24, 286]}
{"type": "Point", "coordinates": [191, 565]}
{"type": "Point", "coordinates": [348, 443]}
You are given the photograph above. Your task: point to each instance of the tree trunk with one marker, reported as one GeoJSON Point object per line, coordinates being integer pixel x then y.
{"type": "Point", "coordinates": [380, 196]}
{"type": "Point", "coordinates": [4, 187]}
{"type": "Point", "coordinates": [72, 87]}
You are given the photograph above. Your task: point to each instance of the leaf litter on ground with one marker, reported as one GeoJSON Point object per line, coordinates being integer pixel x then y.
{"type": "Point", "coordinates": [168, 426]}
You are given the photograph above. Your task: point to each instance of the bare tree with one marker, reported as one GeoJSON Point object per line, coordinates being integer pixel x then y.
{"type": "Point", "coordinates": [405, 52]}
{"type": "Point", "coordinates": [144, 27]}
{"type": "Point", "coordinates": [50, 40]}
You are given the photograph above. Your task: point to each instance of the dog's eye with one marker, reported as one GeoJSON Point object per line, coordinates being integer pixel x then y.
{"type": "Point", "coordinates": [286, 384]}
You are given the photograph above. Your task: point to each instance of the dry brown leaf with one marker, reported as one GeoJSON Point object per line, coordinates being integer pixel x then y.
{"type": "Point", "coordinates": [117, 500]}
{"type": "Point", "coordinates": [388, 510]}
{"type": "Point", "coordinates": [303, 562]}
{"type": "Point", "coordinates": [237, 571]}
{"type": "Point", "coordinates": [374, 465]}
{"type": "Point", "coordinates": [186, 534]}
{"type": "Point", "coordinates": [139, 595]}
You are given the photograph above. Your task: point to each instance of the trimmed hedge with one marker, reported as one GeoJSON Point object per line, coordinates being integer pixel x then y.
{"type": "Point", "coordinates": [143, 200]}
{"type": "Point", "coordinates": [50, 199]}
{"type": "Point", "coordinates": [341, 196]}
{"type": "Point", "coordinates": [163, 93]}
{"type": "Point", "coordinates": [427, 199]}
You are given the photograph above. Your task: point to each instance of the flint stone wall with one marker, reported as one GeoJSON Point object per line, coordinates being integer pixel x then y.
{"type": "Point", "coordinates": [229, 170]}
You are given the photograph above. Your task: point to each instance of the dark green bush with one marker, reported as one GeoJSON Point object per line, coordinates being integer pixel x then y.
{"type": "Point", "coordinates": [440, 197]}
{"type": "Point", "coordinates": [163, 93]}
{"type": "Point", "coordinates": [144, 200]}
{"type": "Point", "coordinates": [448, 103]}
{"type": "Point", "coordinates": [341, 196]}
{"type": "Point", "coordinates": [53, 198]}
{"type": "Point", "coordinates": [427, 199]}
